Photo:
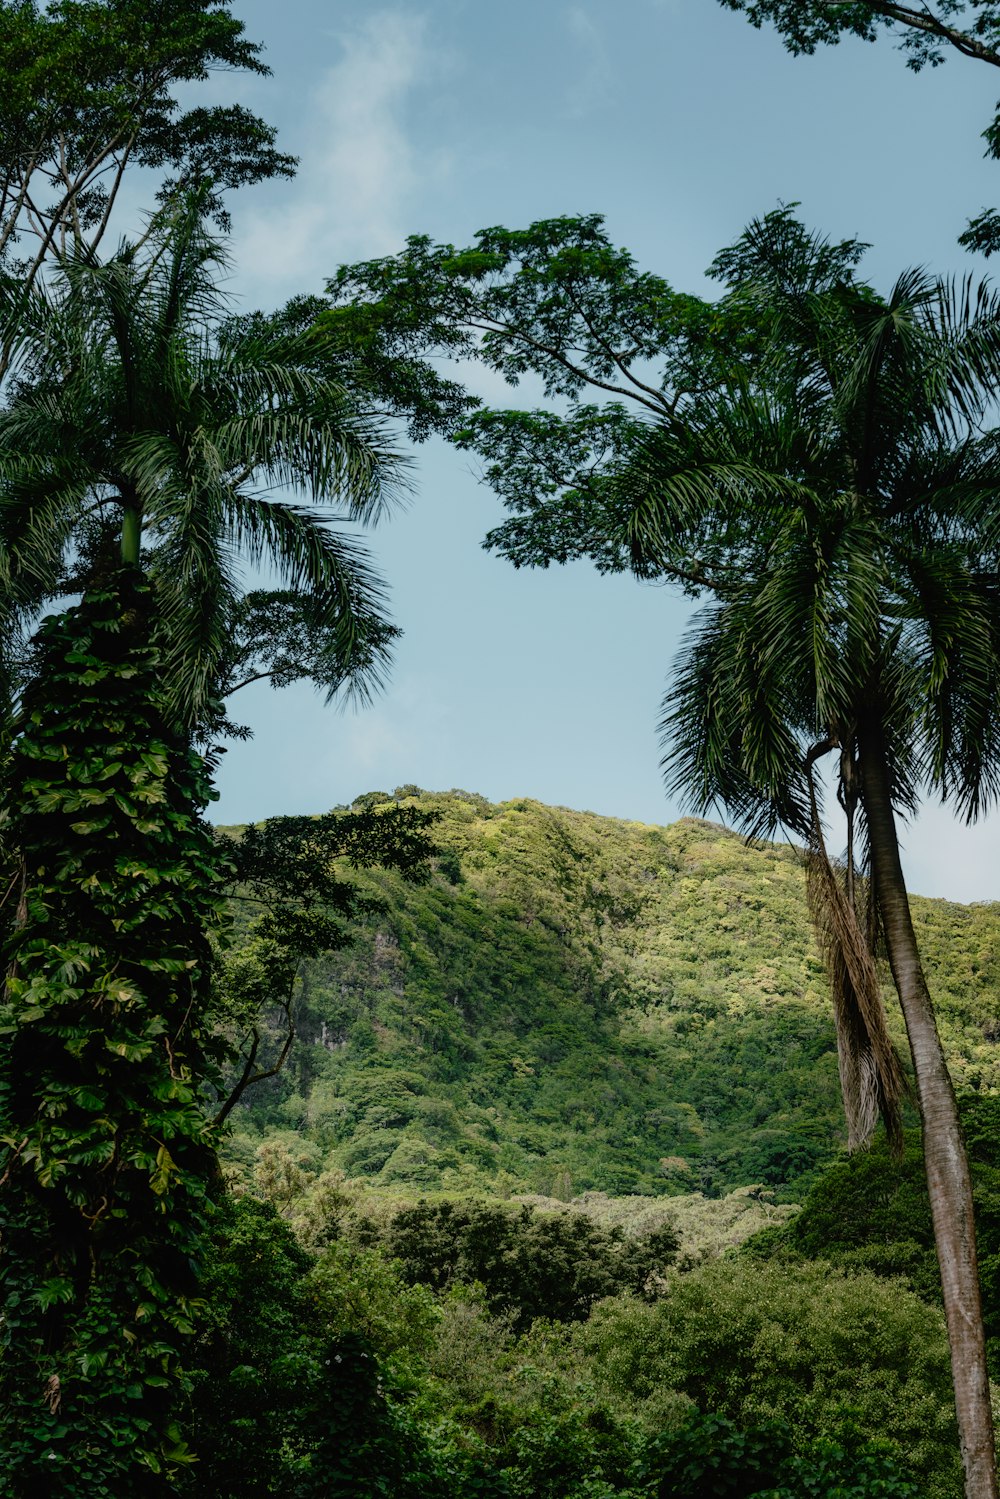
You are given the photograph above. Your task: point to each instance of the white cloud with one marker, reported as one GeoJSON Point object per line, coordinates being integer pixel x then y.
{"type": "Point", "coordinates": [410, 727]}
{"type": "Point", "coordinates": [359, 171]}
{"type": "Point", "coordinates": [591, 86]}
{"type": "Point", "coordinates": [585, 29]}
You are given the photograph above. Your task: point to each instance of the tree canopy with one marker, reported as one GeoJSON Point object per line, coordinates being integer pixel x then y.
{"type": "Point", "coordinates": [91, 91]}
{"type": "Point", "coordinates": [613, 348]}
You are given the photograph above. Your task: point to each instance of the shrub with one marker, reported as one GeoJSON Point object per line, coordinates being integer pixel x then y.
{"type": "Point", "coordinates": [291, 1398]}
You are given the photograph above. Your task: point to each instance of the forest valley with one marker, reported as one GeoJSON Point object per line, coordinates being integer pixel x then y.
{"type": "Point", "coordinates": [559, 1146]}
{"type": "Point", "coordinates": [426, 1148]}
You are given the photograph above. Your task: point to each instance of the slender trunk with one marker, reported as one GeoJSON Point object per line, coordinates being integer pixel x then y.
{"type": "Point", "coordinates": [948, 1181]}
{"type": "Point", "coordinates": [131, 535]}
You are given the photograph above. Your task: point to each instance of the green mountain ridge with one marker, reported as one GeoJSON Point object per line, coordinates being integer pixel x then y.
{"type": "Point", "coordinates": [575, 1003]}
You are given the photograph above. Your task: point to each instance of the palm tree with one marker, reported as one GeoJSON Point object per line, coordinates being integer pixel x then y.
{"type": "Point", "coordinates": [844, 501]}
{"type": "Point", "coordinates": [139, 452]}
{"type": "Point", "coordinates": [146, 429]}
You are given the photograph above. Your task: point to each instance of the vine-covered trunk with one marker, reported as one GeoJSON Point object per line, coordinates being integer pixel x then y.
{"type": "Point", "coordinates": [106, 1158]}
{"type": "Point", "coordinates": [948, 1182]}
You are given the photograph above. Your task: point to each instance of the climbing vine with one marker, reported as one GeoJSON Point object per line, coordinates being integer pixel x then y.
{"type": "Point", "coordinates": [107, 1159]}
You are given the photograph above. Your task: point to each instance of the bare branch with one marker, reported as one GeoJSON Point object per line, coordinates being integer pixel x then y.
{"type": "Point", "coordinates": [249, 1077]}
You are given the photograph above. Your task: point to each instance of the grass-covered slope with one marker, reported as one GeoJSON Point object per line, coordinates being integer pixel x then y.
{"type": "Point", "coordinates": [577, 1003]}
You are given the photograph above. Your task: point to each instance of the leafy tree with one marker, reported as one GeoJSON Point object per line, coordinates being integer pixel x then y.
{"type": "Point", "coordinates": [871, 1210]}
{"type": "Point", "coordinates": [294, 1392]}
{"type": "Point", "coordinates": [530, 1264]}
{"type": "Point", "coordinates": [846, 1358]}
{"type": "Point", "coordinates": [926, 34]}
{"type": "Point", "coordinates": [90, 91]}
{"type": "Point", "coordinates": [560, 302]}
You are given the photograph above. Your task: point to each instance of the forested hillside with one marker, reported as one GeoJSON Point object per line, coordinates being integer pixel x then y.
{"type": "Point", "coordinates": [577, 1003]}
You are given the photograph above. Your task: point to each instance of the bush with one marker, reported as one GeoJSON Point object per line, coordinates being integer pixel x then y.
{"type": "Point", "coordinates": [335, 1379]}
{"type": "Point", "coordinates": [290, 1398]}
{"type": "Point", "coordinates": [871, 1211]}
{"type": "Point", "coordinates": [359, 1291]}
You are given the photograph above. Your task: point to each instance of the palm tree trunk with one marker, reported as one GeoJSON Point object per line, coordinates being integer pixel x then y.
{"type": "Point", "coordinates": [131, 546]}
{"type": "Point", "coordinates": [948, 1182]}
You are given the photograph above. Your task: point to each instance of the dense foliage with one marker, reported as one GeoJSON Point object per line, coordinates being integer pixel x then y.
{"type": "Point", "coordinates": [568, 1005]}
{"type": "Point", "coordinates": [870, 1211]}
{"type": "Point", "coordinates": [334, 1376]}
{"type": "Point", "coordinates": [107, 1155]}
{"type": "Point", "coordinates": [819, 466]}
{"type": "Point", "coordinates": [574, 1003]}
{"type": "Point", "coordinates": [90, 92]}
{"type": "Point", "coordinates": [529, 1265]}
{"type": "Point", "coordinates": [774, 1375]}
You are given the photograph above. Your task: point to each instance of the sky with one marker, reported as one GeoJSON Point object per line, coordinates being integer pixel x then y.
{"type": "Point", "coordinates": [676, 121]}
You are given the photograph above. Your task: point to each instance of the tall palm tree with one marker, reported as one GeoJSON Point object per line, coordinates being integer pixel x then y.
{"type": "Point", "coordinates": [139, 453]}
{"type": "Point", "coordinates": [844, 498]}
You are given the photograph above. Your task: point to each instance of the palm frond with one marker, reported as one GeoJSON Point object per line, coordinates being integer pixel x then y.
{"type": "Point", "coordinates": [127, 396]}
{"type": "Point", "coordinates": [730, 728]}
{"type": "Point", "coordinates": [300, 429]}
{"type": "Point", "coordinates": [963, 352]}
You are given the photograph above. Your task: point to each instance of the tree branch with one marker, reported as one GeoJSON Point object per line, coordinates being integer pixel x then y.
{"type": "Point", "coordinates": [925, 20]}
{"type": "Point", "coordinates": [615, 358]}
{"type": "Point", "coordinates": [658, 407]}
{"type": "Point", "coordinates": [249, 1077]}
{"type": "Point", "coordinates": [257, 676]}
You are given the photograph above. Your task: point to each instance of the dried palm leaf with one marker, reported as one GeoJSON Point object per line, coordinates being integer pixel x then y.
{"type": "Point", "coordinates": [872, 1080]}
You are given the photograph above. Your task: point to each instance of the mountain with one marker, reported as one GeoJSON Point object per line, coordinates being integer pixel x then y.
{"type": "Point", "coordinates": [576, 1003]}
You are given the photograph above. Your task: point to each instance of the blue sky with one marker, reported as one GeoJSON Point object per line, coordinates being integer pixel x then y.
{"type": "Point", "coordinates": [678, 122]}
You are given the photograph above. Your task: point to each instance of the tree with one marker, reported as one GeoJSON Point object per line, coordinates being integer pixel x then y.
{"type": "Point", "coordinates": [559, 302]}
{"type": "Point", "coordinates": [90, 92]}
{"type": "Point", "coordinates": [147, 434]}
{"type": "Point", "coordinates": [107, 1156]}
{"type": "Point", "coordinates": [137, 455]}
{"type": "Point", "coordinates": [848, 479]}
{"type": "Point", "coordinates": [926, 34]}
{"type": "Point", "coordinates": [814, 463]}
